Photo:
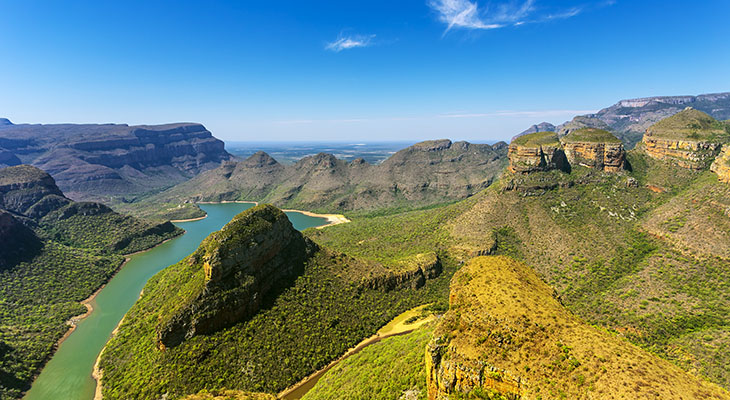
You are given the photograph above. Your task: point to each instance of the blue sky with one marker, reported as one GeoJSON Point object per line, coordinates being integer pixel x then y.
{"type": "Point", "coordinates": [353, 70]}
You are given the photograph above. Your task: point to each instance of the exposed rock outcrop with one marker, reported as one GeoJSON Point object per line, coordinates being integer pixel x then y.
{"type": "Point", "coordinates": [507, 335]}
{"type": "Point", "coordinates": [411, 272]}
{"type": "Point", "coordinates": [234, 270]}
{"type": "Point", "coordinates": [540, 151]}
{"type": "Point", "coordinates": [629, 119]}
{"type": "Point", "coordinates": [721, 165]}
{"type": "Point", "coordinates": [98, 161]}
{"type": "Point", "coordinates": [690, 139]}
{"type": "Point", "coordinates": [595, 148]}
{"type": "Point", "coordinates": [29, 191]}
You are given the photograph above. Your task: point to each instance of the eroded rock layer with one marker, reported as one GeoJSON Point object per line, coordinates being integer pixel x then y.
{"type": "Point", "coordinates": [690, 139]}
{"type": "Point", "coordinates": [539, 151]}
{"type": "Point", "coordinates": [721, 165]}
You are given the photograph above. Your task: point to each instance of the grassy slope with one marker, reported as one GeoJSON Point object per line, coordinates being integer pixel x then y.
{"type": "Point", "coordinates": [504, 316]}
{"type": "Point", "coordinates": [386, 370]}
{"type": "Point", "coordinates": [37, 297]}
{"type": "Point", "coordinates": [690, 124]}
{"type": "Point", "coordinates": [538, 139]}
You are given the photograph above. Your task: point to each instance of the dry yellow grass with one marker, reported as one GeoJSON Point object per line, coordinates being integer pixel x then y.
{"type": "Point", "coordinates": [505, 322]}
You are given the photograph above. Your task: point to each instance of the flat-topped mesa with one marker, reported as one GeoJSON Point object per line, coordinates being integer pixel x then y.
{"type": "Point", "coordinates": [540, 151]}
{"type": "Point", "coordinates": [690, 139]}
{"type": "Point", "coordinates": [721, 165]}
{"type": "Point", "coordinates": [233, 271]}
{"type": "Point", "coordinates": [595, 148]}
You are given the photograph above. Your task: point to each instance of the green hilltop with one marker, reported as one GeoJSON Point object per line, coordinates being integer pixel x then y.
{"type": "Point", "coordinates": [537, 139]}
{"type": "Point", "coordinates": [591, 135]}
{"type": "Point", "coordinates": [689, 124]}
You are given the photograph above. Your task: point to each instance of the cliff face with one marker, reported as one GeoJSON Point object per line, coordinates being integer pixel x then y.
{"type": "Point", "coordinates": [97, 161]}
{"type": "Point", "coordinates": [27, 190]}
{"type": "Point", "coordinates": [690, 139]}
{"type": "Point", "coordinates": [589, 147]}
{"type": "Point", "coordinates": [595, 148]}
{"type": "Point", "coordinates": [629, 119]}
{"type": "Point", "coordinates": [411, 272]}
{"type": "Point", "coordinates": [234, 270]}
{"type": "Point", "coordinates": [721, 166]}
{"type": "Point", "coordinates": [426, 173]}
{"type": "Point", "coordinates": [506, 334]}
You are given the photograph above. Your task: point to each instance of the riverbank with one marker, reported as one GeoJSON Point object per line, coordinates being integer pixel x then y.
{"type": "Point", "coordinates": [332, 219]}
{"type": "Point", "coordinates": [397, 326]}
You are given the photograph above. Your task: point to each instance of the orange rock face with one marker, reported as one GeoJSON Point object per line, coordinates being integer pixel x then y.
{"type": "Point", "coordinates": [526, 159]}
{"type": "Point", "coordinates": [721, 166]}
{"type": "Point", "coordinates": [684, 153]}
{"type": "Point", "coordinates": [609, 157]}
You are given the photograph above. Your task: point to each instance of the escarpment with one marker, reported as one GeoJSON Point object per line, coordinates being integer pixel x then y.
{"type": "Point", "coordinates": [539, 151]}
{"type": "Point", "coordinates": [233, 271]}
{"type": "Point", "coordinates": [29, 191]}
{"type": "Point", "coordinates": [721, 165]}
{"type": "Point", "coordinates": [689, 139]}
{"type": "Point", "coordinates": [99, 161]}
{"type": "Point", "coordinates": [410, 272]}
{"type": "Point", "coordinates": [595, 148]}
{"type": "Point", "coordinates": [588, 147]}
{"type": "Point", "coordinates": [505, 334]}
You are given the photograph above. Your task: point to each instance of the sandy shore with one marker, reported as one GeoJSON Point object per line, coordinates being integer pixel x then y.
{"type": "Point", "coordinates": [397, 326]}
{"type": "Point", "coordinates": [332, 219]}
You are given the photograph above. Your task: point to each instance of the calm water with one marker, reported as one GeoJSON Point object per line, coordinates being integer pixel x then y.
{"type": "Point", "coordinates": [68, 375]}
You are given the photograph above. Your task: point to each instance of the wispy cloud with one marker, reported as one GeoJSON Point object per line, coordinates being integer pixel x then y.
{"type": "Point", "coordinates": [350, 42]}
{"type": "Point", "coordinates": [466, 14]}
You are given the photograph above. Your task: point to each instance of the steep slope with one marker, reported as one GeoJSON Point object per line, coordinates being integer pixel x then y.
{"type": "Point", "coordinates": [426, 173]}
{"type": "Point", "coordinates": [310, 306]}
{"type": "Point", "coordinates": [507, 334]}
{"type": "Point", "coordinates": [102, 162]}
{"type": "Point", "coordinates": [539, 151]}
{"type": "Point", "coordinates": [54, 253]}
{"type": "Point", "coordinates": [629, 119]}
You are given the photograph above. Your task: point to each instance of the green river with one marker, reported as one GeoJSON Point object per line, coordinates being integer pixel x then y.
{"type": "Point", "coordinates": [67, 376]}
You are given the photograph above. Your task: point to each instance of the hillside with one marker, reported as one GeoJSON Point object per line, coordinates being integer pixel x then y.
{"type": "Point", "coordinates": [629, 119]}
{"type": "Point", "coordinates": [426, 173]}
{"type": "Point", "coordinates": [507, 334]}
{"type": "Point", "coordinates": [289, 316]}
{"type": "Point", "coordinates": [54, 253]}
{"type": "Point", "coordinates": [112, 162]}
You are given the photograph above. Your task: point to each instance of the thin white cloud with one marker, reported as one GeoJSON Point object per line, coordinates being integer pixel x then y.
{"type": "Point", "coordinates": [466, 14]}
{"type": "Point", "coordinates": [350, 42]}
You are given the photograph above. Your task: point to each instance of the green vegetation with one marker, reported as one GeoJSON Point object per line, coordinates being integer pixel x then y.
{"type": "Point", "coordinates": [36, 300]}
{"type": "Point", "coordinates": [391, 369]}
{"type": "Point", "coordinates": [538, 139]}
{"type": "Point", "coordinates": [313, 321]}
{"type": "Point", "coordinates": [74, 249]}
{"type": "Point", "coordinates": [592, 135]}
{"type": "Point", "coordinates": [690, 124]}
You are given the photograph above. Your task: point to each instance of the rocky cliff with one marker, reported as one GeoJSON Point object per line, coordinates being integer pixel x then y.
{"type": "Point", "coordinates": [29, 191]}
{"type": "Point", "coordinates": [234, 270]}
{"type": "Point", "coordinates": [506, 334]}
{"type": "Point", "coordinates": [410, 272]}
{"type": "Point", "coordinates": [595, 148]}
{"type": "Point", "coordinates": [721, 165]}
{"type": "Point", "coordinates": [629, 119]}
{"type": "Point", "coordinates": [101, 161]}
{"type": "Point", "coordinates": [690, 139]}
{"type": "Point", "coordinates": [539, 151]}
{"type": "Point", "coordinates": [426, 173]}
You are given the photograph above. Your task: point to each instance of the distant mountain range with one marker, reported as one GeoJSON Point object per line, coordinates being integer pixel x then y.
{"type": "Point", "coordinates": [629, 119]}
{"type": "Point", "coordinates": [98, 162]}
{"type": "Point", "coordinates": [425, 173]}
